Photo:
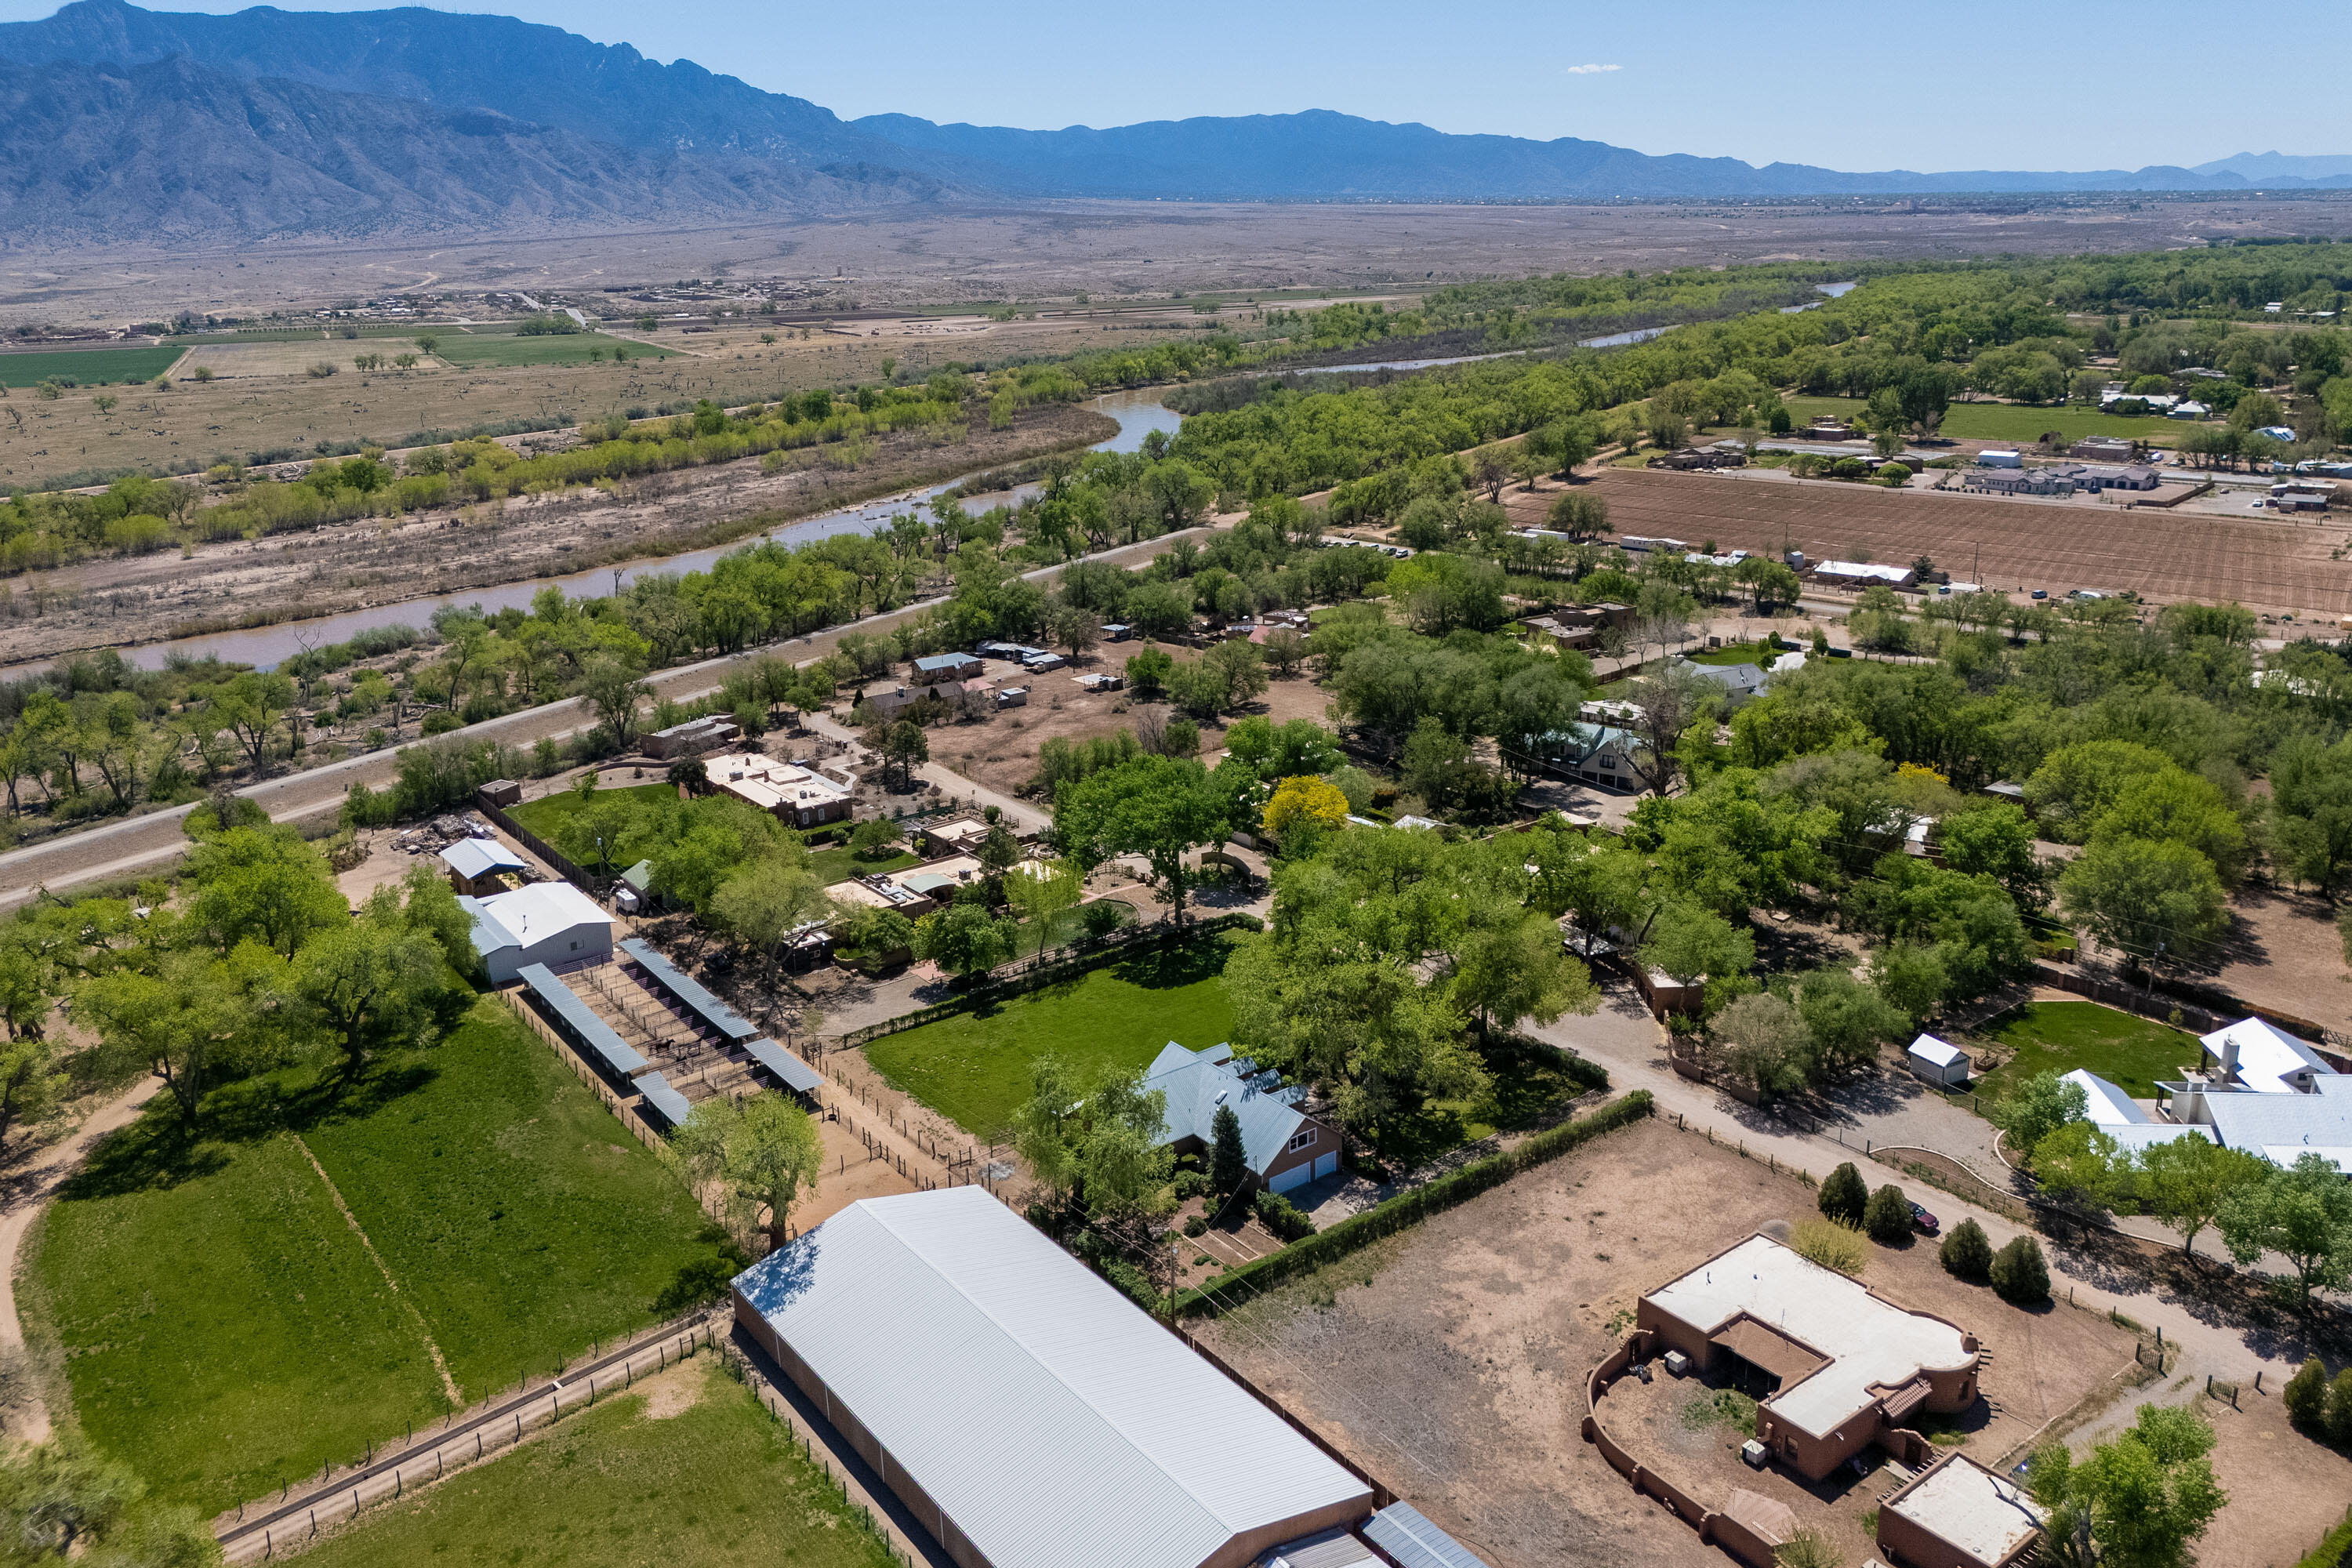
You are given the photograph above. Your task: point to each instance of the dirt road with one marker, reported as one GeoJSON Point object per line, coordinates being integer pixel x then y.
{"type": "Point", "coordinates": [142, 844]}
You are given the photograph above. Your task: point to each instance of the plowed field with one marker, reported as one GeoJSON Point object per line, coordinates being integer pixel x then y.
{"type": "Point", "coordinates": [2264, 564]}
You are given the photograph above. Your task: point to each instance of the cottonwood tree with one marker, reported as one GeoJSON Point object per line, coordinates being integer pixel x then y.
{"type": "Point", "coordinates": [611, 690]}
{"type": "Point", "coordinates": [2187, 1181]}
{"type": "Point", "coordinates": [368, 985]}
{"type": "Point", "coordinates": [2140, 1501]}
{"type": "Point", "coordinates": [764, 1150]}
{"type": "Point", "coordinates": [2304, 1213]}
{"type": "Point", "coordinates": [1161, 808]}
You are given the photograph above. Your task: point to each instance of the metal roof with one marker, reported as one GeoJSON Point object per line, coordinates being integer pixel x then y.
{"type": "Point", "coordinates": [689, 991]}
{"type": "Point", "coordinates": [1406, 1534]}
{"type": "Point", "coordinates": [471, 857]}
{"type": "Point", "coordinates": [1032, 1402]}
{"type": "Point", "coordinates": [531, 915]}
{"type": "Point", "coordinates": [579, 1022]}
{"type": "Point", "coordinates": [785, 1067]}
{"type": "Point", "coordinates": [2270, 1060]}
{"type": "Point", "coordinates": [1198, 1082]}
{"type": "Point", "coordinates": [667, 1102]}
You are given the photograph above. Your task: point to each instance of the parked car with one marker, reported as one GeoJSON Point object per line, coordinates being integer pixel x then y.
{"type": "Point", "coordinates": [2040, 593]}
{"type": "Point", "coordinates": [1925, 1222]}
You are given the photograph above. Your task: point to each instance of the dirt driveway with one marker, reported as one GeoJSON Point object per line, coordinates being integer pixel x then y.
{"type": "Point", "coordinates": [1449, 1362]}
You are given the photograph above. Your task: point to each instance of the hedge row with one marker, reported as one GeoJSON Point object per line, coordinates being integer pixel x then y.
{"type": "Point", "coordinates": [2335, 1548]}
{"type": "Point", "coordinates": [1409, 1208]}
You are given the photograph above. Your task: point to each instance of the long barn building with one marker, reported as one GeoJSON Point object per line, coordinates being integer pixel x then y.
{"type": "Point", "coordinates": [1026, 1412]}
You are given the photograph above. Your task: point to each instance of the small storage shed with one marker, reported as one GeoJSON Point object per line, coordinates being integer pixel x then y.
{"type": "Point", "coordinates": [478, 864]}
{"type": "Point", "coordinates": [1942, 1064]}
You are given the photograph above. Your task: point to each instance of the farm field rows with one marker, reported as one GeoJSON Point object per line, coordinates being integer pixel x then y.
{"type": "Point", "coordinates": [2161, 556]}
{"type": "Point", "coordinates": [506, 350]}
{"type": "Point", "coordinates": [225, 1329]}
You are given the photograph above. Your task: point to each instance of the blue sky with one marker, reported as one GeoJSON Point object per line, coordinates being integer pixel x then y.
{"type": "Point", "coordinates": [2083, 84]}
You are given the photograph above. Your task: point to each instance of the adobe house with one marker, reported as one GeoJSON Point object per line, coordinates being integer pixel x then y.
{"type": "Point", "coordinates": [1847, 1366]}
{"type": "Point", "coordinates": [1957, 1514]}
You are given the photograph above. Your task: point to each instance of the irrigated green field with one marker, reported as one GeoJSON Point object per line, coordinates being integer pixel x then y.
{"type": "Point", "coordinates": [512, 349]}
{"type": "Point", "coordinates": [2058, 1037]}
{"type": "Point", "coordinates": [975, 1067]}
{"type": "Point", "coordinates": [687, 1469]}
{"type": "Point", "coordinates": [224, 1329]}
{"type": "Point", "coordinates": [545, 815]}
{"type": "Point", "coordinates": [2011, 422]}
{"type": "Point", "coordinates": [88, 367]}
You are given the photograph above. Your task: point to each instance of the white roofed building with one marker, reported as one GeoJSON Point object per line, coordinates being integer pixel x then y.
{"type": "Point", "coordinates": [553, 923]}
{"type": "Point", "coordinates": [2108, 1108]}
{"type": "Point", "coordinates": [2263, 1091]}
{"type": "Point", "coordinates": [1024, 1411]}
{"type": "Point", "coordinates": [475, 865]}
{"type": "Point", "coordinates": [786, 791]}
{"type": "Point", "coordinates": [1940, 1062]}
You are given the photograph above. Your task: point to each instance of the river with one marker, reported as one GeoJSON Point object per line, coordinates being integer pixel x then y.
{"type": "Point", "coordinates": [1137, 415]}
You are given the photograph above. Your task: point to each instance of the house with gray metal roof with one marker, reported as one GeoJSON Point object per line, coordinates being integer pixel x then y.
{"type": "Point", "coordinates": [1285, 1146]}
{"type": "Point", "coordinates": [1026, 1412]}
{"type": "Point", "coordinates": [2268, 1093]}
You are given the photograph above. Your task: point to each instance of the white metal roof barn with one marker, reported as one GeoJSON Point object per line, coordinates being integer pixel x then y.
{"type": "Point", "coordinates": [1027, 1413]}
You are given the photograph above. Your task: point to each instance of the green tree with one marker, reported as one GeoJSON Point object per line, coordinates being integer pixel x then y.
{"type": "Point", "coordinates": [613, 690]}
{"type": "Point", "coordinates": [2305, 1397]}
{"type": "Point", "coordinates": [2140, 1501]}
{"type": "Point", "coordinates": [1228, 1162]}
{"type": "Point", "coordinates": [2037, 1108]}
{"type": "Point", "coordinates": [1887, 1217]}
{"type": "Point", "coordinates": [764, 902]}
{"type": "Point", "coordinates": [262, 883]}
{"type": "Point", "coordinates": [2185, 1183]}
{"type": "Point", "coordinates": [1967, 1252]}
{"type": "Point", "coordinates": [964, 939]}
{"type": "Point", "coordinates": [1844, 1196]}
{"type": "Point", "coordinates": [1148, 671]}
{"type": "Point", "coordinates": [369, 984]}
{"type": "Point", "coordinates": [593, 833]}
{"type": "Point", "coordinates": [1763, 1039]}
{"type": "Point", "coordinates": [1846, 1022]}
{"type": "Point", "coordinates": [2018, 1273]}
{"type": "Point", "coordinates": [1509, 966]}
{"type": "Point", "coordinates": [1042, 896]}
{"type": "Point", "coordinates": [2146, 899]}
{"type": "Point", "coordinates": [1995, 840]}
{"type": "Point", "coordinates": [2304, 1213]}
{"type": "Point", "coordinates": [1161, 808]}
{"type": "Point", "coordinates": [32, 1085]}
{"type": "Point", "coordinates": [2079, 1163]}
{"type": "Point", "coordinates": [903, 746]}
{"type": "Point", "coordinates": [1688, 944]}
{"type": "Point", "coordinates": [763, 1150]}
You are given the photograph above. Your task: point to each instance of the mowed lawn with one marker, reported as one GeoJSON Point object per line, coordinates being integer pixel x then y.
{"type": "Point", "coordinates": [633, 1482]}
{"type": "Point", "coordinates": [224, 1329]}
{"type": "Point", "coordinates": [545, 815]}
{"type": "Point", "coordinates": [507, 349]}
{"type": "Point", "coordinates": [2014, 422]}
{"type": "Point", "coordinates": [88, 367]}
{"type": "Point", "coordinates": [974, 1066]}
{"type": "Point", "coordinates": [520, 1217]}
{"type": "Point", "coordinates": [2058, 1037]}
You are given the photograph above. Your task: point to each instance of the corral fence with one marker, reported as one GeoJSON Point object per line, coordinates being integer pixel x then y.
{"type": "Point", "coordinates": [270, 1527]}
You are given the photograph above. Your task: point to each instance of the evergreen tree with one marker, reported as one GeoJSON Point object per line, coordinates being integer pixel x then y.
{"type": "Point", "coordinates": [1844, 1196]}
{"type": "Point", "coordinates": [1228, 1162]}
{"type": "Point", "coordinates": [1967, 1252]}
{"type": "Point", "coordinates": [1887, 1217]}
{"type": "Point", "coordinates": [2305, 1395]}
{"type": "Point", "coordinates": [2020, 1274]}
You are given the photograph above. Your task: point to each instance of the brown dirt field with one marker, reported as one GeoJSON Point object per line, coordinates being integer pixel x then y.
{"type": "Point", "coordinates": [2285, 953]}
{"type": "Point", "coordinates": [2024, 543]}
{"type": "Point", "coordinates": [2285, 1491]}
{"type": "Point", "coordinates": [1449, 1362]}
{"type": "Point", "coordinates": [111, 603]}
{"type": "Point", "coordinates": [1000, 751]}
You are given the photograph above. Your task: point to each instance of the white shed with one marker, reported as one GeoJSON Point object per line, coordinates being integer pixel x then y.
{"type": "Point", "coordinates": [1941, 1064]}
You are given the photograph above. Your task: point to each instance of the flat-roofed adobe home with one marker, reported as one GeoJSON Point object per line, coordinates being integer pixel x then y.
{"type": "Point", "coordinates": [1848, 1367]}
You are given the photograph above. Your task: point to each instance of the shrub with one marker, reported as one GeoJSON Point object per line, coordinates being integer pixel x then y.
{"type": "Point", "coordinates": [2339, 1409]}
{"type": "Point", "coordinates": [2020, 1274]}
{"type": "Point", "coordinates": [1830, 1244]}
{"type": "Point", "coordinates": [1967, 1252]}
{"type": "Point", "coordinates": [1808, 1548]}
{"type": "Point", "coordinates": [1844, 1196]}
{"type": "Point", "coordinates": [1197, 1225]}
{"type": "Point", "coordinates": [1191, 1184]}
{"type": "Point", "coordinates": [441, 723]}
{"type": "Point", "coordinates": [1103, 917]}
{"type": "Point", "coordinates": [1282, 1217]}
{"type": "Point", "coordinates": [2306, 1396]}
{"type": "Point", "coordinates": [1888, 1216]}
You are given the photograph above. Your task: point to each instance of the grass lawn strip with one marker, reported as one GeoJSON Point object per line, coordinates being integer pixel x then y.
{"type": "Point", "coordinates": [975, 1068]}
{"type": "Point", "coordinates": [522, 1219]}
{"type": "Point", "coordinates": [839, 863]}
{"type": "Point", "coordinates": [547, 814]}
{"type": "Point", "coordinates": [2009, 421]}
{"type": "Point", "coordinates": [2059, 1036]}
{"type": "Point", "coordinates": [687, 1469]}
{"type": "Point", "coordinates": [223, 1329]}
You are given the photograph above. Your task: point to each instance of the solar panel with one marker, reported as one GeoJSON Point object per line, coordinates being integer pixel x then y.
{"type": "Point", "coordinates": [579, 1023]}
{"type": "Point", "coordinates": [785, 1067]}
{"type": "Point", "coordinates": [689, 991]}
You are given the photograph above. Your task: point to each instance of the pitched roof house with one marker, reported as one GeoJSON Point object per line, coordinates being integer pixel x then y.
{"type": "Point", "coordinates": [1284, 1145]}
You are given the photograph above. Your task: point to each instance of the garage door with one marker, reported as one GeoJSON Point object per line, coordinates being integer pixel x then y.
{"type": "Point", "coordinates": [1326, 1164]}
{"type": "Point", "coordinates": [1283, 1181]}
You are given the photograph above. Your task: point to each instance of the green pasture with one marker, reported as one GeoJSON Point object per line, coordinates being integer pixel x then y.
{"type": "Point", "coordinates": [87, 367]}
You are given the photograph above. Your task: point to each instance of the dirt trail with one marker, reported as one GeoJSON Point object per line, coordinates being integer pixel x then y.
{"type": "Point", "coordinates": [33, 1188]}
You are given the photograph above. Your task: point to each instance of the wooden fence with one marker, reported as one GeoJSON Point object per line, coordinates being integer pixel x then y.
{"type": "Point", "coordinates": [562, 864]}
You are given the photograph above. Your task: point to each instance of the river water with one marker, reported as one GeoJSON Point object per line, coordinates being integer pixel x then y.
{"type": "Point", "coordinates": [1137, 415]}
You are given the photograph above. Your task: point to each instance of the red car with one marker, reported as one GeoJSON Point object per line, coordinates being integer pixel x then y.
{"type": "Point", "coordinates": [1925, 1222]}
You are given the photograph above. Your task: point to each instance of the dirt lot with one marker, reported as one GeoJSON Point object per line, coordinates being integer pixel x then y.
{"type": "Point", "coordinates": [116, 601]}
{"type": "Point", "coordinates": [1000, 751]}
{"type": "Point", "coordinates": [1449, 1362]}
{"type": "Point", "coordinates": [2022, 544]}
{"type": "Point", "coordinates": [2285, 953]}
{"type": "Point", "coordinates": [2285, 1491]}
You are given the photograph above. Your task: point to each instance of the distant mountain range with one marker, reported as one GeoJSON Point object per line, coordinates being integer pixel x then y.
{"type": "Point", "coordinates": [120, 123]}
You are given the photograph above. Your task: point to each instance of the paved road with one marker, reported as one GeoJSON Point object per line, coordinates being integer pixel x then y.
{"type": "Point", "coordinates": [143, 843]}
